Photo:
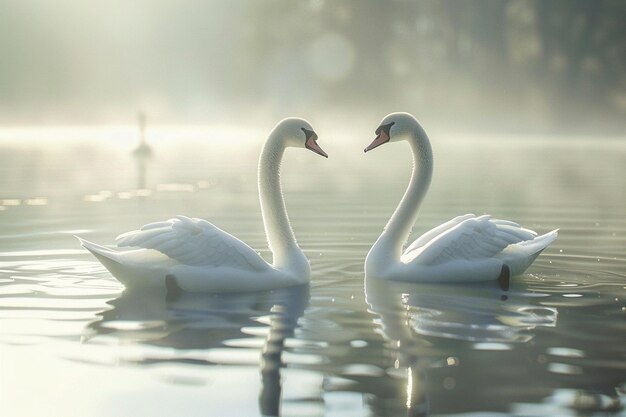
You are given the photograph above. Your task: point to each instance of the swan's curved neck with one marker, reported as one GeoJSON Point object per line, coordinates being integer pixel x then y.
{"type": "Point", "coordinates": [389, 244]}
{"type": "Point", "coordinates": [280, 237]}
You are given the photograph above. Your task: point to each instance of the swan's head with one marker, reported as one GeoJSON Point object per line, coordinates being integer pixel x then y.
{"type": "Point", "coordinates": [393, 128]}
{"type": "Point", "coordinates": [298, 133]}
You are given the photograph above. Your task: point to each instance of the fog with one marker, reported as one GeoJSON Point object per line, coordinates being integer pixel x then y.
{"type": "Point", "coordinates": [514, 65]}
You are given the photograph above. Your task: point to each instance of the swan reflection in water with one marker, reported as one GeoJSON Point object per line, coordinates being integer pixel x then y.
{"type": "Point", "coordinates": [191, 322]}
{"type": "Point", "coordinates": [142, 153]}
{"type": "Point", "coordinates": [428, 328]}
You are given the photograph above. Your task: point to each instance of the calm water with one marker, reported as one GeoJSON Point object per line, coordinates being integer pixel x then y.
{"type": "Point", "coordinates": [73, 343]}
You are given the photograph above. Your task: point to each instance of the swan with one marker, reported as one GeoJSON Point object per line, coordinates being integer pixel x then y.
{"type": "Point", "coordinates": [195, 255]}
{"type": "Point", "coordinates": [465, 249]}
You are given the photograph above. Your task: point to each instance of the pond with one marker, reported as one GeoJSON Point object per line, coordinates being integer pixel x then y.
{"type": "Point", "coordinates": [74, 343]}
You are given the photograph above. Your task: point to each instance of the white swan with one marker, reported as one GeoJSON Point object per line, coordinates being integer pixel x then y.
{"type": "Point", "coordinates": [466, 248]}
{"type": "Point", "coordinates": [195, 255]}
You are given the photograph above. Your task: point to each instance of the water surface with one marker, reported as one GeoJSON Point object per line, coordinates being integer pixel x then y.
{"type": "Point", "coordinates": [74, 343]}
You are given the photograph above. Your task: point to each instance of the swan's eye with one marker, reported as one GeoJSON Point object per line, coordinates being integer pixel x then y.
{"type": "Point", "coordinates": [384, 128]}
{"type": "Point", "coordinates": [308, 133]}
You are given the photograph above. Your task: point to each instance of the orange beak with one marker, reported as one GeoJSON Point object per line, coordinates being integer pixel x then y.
{"type": "Point", "coordinates": [380, 139]}
{"type": "Point", "coordinates": [312, 145]}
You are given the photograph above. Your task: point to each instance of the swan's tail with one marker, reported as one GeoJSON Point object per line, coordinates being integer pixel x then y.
{"type": "Point", "coordinates": [107, 257]}
{"type": "Point", "coordinates": [536, 245]}
{"type": "Point", "coordinates": [135, 269]}
{"type": "Point", "coordinates": [112, 260]}
{"type": "Point", "coordinates": [524, 253]}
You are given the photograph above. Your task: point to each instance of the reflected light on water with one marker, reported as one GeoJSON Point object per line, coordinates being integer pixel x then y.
{"type": "Point", "coordinates": [56, 136]}
{"type": "Point", "coordinates": [348, 351]}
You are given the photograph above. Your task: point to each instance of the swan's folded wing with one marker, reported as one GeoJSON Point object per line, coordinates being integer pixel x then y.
{"type": "Point", "coordinates": [194, 242]}
{"type": "Point", "coordinates": [471, 239]}
{"type": "Point", "coordinates": [433, 233]}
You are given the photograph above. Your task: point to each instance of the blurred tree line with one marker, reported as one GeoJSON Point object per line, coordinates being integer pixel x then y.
{"type": "Point", "coordinates": [541, 61]}
{"type": "Point", "coordinates": [521, 64]}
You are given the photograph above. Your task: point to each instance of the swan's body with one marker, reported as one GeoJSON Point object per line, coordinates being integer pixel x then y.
{"type": "Point", "coordinates": [464, 249]}
{"type": "Point", "coordinates": [195, 255]}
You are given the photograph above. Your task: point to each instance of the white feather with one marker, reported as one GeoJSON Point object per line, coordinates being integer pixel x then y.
{"type": "Point", "coordinates": [466, 248]}
{"type": "Point", "coordinates": [201, 257]}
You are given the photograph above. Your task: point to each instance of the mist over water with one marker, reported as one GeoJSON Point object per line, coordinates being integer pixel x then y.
{"type": "Point", "coordinates": [119, 114]}
{"type": "Point", "coordinates": [521, 66]}
{"type": "Point", "coordinates": [550, 345]}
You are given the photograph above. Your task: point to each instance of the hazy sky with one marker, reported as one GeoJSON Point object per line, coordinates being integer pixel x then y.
{"type": "Point", "coordinates": [89, 61]}
{"type": "Point", "coordinates": [491, 63]}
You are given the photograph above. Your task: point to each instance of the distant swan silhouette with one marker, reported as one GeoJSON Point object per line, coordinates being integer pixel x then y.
{"type": "Point", "coordinates": [466, 248]}
{"type": "Point", "coordinates": [195, 255]}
